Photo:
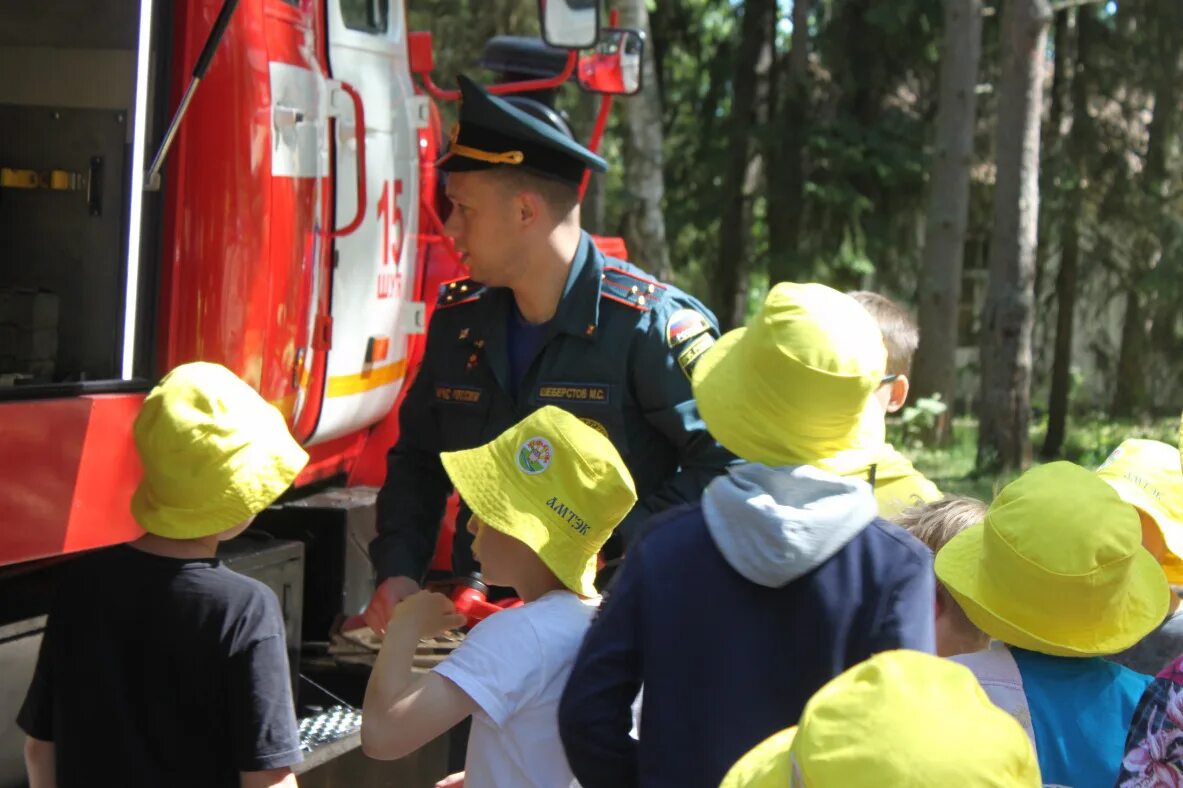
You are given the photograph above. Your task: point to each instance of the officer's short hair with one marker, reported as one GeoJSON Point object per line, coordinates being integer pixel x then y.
{"type": "Point", "coordinates": [560, 197]}
{"type": "Point", "coordinates": [900, 335]}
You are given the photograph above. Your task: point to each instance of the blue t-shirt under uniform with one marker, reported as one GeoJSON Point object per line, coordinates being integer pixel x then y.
{"type": "Point", "coordinates": [524, 340]}
{"type": "Point", "coordinates": [1080, 711]}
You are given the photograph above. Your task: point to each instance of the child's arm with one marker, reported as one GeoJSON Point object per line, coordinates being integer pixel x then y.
{"type": "Point", "coordinates": [400, 715]}
{"type": "Point", "coordinates": [39, 763]}
{"type": "Point", "coordinates": [271, 778]}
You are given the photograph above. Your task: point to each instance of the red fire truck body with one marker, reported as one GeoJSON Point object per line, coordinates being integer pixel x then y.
{"type": "Point", "coordinates": [293, 236]}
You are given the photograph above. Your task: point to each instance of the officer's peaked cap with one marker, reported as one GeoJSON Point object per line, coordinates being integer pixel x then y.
{"type": "Point", "coordinates": [491, 132]}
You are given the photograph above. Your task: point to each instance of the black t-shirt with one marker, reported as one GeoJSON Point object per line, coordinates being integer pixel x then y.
{"type": "Point", "coordinates": [161, 671]}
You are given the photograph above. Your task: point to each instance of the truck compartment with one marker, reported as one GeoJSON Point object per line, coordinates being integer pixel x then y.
{"type": "Point", "coordinates": [66, 133]}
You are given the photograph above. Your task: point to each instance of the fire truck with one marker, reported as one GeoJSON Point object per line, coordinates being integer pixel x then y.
{"type": "Point", "coordinates": [247, 182]}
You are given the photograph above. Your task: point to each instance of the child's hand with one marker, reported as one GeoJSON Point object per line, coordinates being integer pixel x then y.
{"type": "Point", "coordinates": [428, 613]}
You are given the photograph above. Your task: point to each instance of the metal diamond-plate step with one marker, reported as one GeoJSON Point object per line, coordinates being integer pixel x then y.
{"type": "Point", "coordinates": [329, 726]}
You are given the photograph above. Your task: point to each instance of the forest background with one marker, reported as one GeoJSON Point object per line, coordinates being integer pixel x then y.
{"type": "Point", "coordinates": [1008, 170]}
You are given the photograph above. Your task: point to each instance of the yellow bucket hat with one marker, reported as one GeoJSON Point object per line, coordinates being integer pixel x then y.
{"type": "Point", "coordinates": [1057, 567]}
{"type": "Point", "coordinates": [214, 453]}
{"type": "Point", "coordinates": [791, 387]}
{"type": "Point", "coordinates": [902, 718]}
{"type": "Point", "coordinates": [553, 483]}
{"type": "Point", "coordinates": [1147, 475]}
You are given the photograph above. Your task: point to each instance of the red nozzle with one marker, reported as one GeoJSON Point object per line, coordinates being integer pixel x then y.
{"type": "Point", "coordinates": [470, 596]}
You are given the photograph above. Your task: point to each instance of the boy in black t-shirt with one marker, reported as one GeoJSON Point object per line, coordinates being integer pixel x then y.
{"type": "Point", "coordinates": [160, 666]}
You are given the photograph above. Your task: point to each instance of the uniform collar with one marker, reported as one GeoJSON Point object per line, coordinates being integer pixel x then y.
{"type": "Point", "coordinates": [578, 313]}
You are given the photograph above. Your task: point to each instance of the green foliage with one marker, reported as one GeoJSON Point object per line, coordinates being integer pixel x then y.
{"type": "Point", "coordinates": [1090, 440]}
{"type": "Point", "coordinates": [861, 128]}
{"type": "Point", "coordinates": [919, 418]}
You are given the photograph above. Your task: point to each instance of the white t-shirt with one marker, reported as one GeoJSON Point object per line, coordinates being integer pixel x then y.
{"type": "Point", "coordinates": [514, 665]}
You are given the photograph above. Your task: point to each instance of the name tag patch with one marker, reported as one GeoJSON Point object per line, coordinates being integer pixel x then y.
{"type": "Point", "coordinates": [690, 356]}
{"type": "Point", "coordinates": [573, 392]}
{"type": "Point", "coordinates": [464, 395]}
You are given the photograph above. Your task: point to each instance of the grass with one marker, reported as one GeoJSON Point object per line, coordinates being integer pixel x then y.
{"type": "Point", "coordinates": [1089, 441]}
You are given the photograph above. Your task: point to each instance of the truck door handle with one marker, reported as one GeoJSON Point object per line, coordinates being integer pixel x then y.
{"type": "Point", "coordinates": [359, 120]}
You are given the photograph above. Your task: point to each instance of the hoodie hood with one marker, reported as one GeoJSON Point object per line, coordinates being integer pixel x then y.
{"type": "Point", "coordinates": [773, 525]}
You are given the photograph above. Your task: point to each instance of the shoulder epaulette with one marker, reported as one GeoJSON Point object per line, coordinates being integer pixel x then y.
{"type": "Point", "coordinates": [459, 291]}
{"type": "Point", "coordinates": [631, 289]}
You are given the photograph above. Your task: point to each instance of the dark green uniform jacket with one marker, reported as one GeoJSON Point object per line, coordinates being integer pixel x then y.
{"type": "Point", "coordinates": [618, 355]}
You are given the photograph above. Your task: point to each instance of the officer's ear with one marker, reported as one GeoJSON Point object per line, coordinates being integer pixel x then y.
{"type": "Point", "coordinates": [528, 208]}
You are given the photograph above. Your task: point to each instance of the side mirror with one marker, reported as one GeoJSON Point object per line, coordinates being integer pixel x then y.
{"type": "Point", "coordinates": [614, 66]}
{"type": "Point", "coordinates": [570, 24]}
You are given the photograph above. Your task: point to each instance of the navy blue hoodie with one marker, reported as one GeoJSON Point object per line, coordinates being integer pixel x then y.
{"type": "Point", "coordinates": [732, 614]}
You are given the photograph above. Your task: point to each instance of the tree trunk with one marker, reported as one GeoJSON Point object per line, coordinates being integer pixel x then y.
{"type": "Point", "coordinates": [786, 154]}
{"type": "Point", "coordinates": [1129, 396]}
{"type": "Point", "coordinates": [593, 208]}
{"type": "Point", "coordinates": [729, 277]}
{"type": "Point", "coordinates": [1066, 279]}
{"type": "Point", "coordinates": [948, 209]}
{"type": "Point", "coordinates": [1053, 136]}
{"type": "Point", "coordinates": [1008, 314]}
{"type": "Point", "coordinates": [1130, 392]}
{"type": "Point", "coordinates": [1058, 401]}
{"type": "Point", "coordinates": [644, 221]}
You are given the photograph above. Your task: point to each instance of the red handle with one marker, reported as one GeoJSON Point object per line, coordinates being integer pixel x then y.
{"type": "Point", "coordinates": [545, 83]}
{"type": "Point", "coordinates": [472, 604]}
{"type": "Point", "coordinates": [359, 120]}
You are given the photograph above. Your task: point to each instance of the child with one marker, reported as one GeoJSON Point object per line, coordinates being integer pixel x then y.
{"type": "Point", "coordinates": [545, 496]}
{"type": "Point", "coordinates": [1153, 755]}
{"type": "Point", "coordinates": [1146, 475]}
{"type": "Point", "coordinates": [935, 524]}
{"type": "Point", "coordinates": [1057, 573]}
{"type": "Point", "coordinates": [184, 660]}
{"type": "Point", "coordinates": [901, 719]}
{"type": "Point", "coordinates": [898, 485]}
{"type": "Point", "coordinates": [733, 612]}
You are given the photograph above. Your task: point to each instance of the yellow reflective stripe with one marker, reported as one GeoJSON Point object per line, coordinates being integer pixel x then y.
{"type": "Point", "coordinates": [367, 380]}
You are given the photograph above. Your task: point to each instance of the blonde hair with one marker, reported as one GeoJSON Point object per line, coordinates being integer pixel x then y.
{"type": "Point", "coordinates": [935, 524]}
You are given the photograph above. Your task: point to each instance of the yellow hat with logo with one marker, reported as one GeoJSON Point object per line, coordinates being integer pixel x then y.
{"type": "Point", "coordinates": [791, 387]}
{"type": "Point", "coordinates": [1057, 567]}
{"type": "Point", "coordinates": [553, 483]}
{"type": "Point", "coordinates": [214, 453]}
{"type": "Point", "coordinates": [902, 719]}
{"type": "Point", "coordinates": [1147, 475]}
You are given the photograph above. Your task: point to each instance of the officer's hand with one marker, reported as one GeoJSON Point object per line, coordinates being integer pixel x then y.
{"type": "Point", "coordinates": [389, 593]}
{"type": "Point", "coordinates": [427, 613]}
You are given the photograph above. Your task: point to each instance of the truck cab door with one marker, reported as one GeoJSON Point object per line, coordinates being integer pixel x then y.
{"type": "Point", "coordinates": [373, 277]}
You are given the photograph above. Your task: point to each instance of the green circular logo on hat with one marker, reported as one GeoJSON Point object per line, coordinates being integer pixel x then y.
{"type": "Point", "coordinates": [534, 456]}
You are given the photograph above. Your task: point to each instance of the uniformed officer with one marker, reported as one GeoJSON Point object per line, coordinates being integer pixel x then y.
{"type": "Point", "coordinates": [546, 319]}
